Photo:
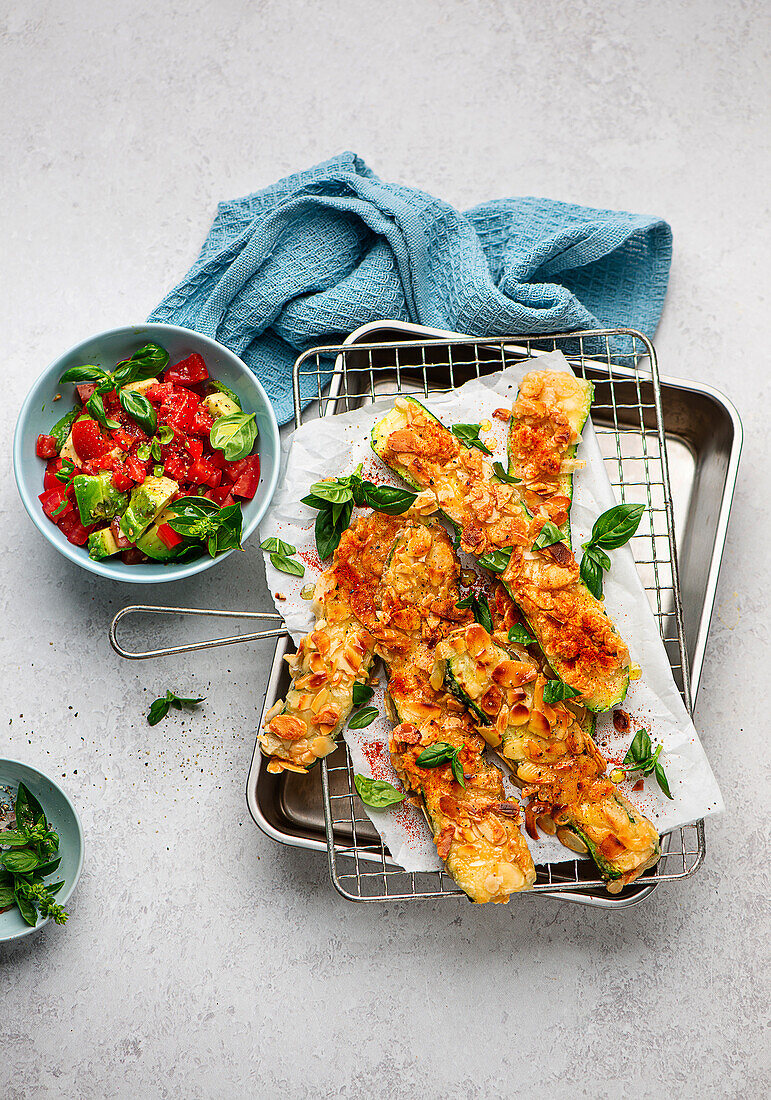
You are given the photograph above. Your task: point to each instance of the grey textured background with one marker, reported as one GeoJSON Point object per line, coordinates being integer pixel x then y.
{"type": "Point", "coordinates": [201, 959]}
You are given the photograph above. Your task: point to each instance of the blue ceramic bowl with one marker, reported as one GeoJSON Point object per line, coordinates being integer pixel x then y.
{"type": "Point", "coordinates": [39, 413]}
{"type": "Point", "coordinates": [63, 817]}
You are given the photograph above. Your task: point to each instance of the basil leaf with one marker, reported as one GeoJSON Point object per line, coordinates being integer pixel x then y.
{"type": "Point", "coordinates": [95, 406]}
{"type": "Point", "coordinates": [65, 472]}
{"type": "Point", "coordinates": [338, 491]}
{"type": "Point", "coordinates": [599, 556]}
{"type": "Point", "coordinates": [165, 433]}
{"type": "Point", "coordinates": [276, 546]}
{"type": "Point", "coordinates": [480, 609]}
{"type": "Point", "coordinates": [386, 498]}
{"type": "Point", "coordinates": [468, 434]}
{"type": "Point", "coordinates": [26, 908]}
{"type": "Point", "coordinates": [362, 693]}
{"type": "Point", "coordinates": [314, 502]}
{"type": "Point", "coordinates": [287, 565]}
{"type": "Point", "coordinates": [505, 476]}
{"type": "Point", "coordinates": [438, 753]}
{"type": "Point", "coordinates": [155, 450]}
{"type": "Point", "coordinates": [639, 749]}
{"type": "Point", "coordinates": [180, 701]}
{"type": "Point", "coordinates": [20, 861]}
{"type": "Point", "coordinates": [87, 373]}
{"type": "Point", "coordinates": [234, 435]}
{"type": "Point", "coordinates": [521, 635]}
{"type": "Point", "coordinates": [364, 717]}
{"type": "Point", "coordinates": [615, 527]}
{"type": "Point", "coordinates": [60, 508]}
{"type": "Point", "coordinates": [7, 897]}
{"type": "Point", "coordinates": [27, 810]}
{"type": "Point", "coordinates": [143, 452]}
{"type": "Point", "coordinates": [591, 574]}
{"type": "Point", "coordinates": [158, 471]}
{"type": "Point", "coordinates": [555, 691]}
{"type": "Point", "coordinates": [328, 532]}
{"type": "Point", "coordinates": [140, 410]}
{"type": "Point", "coordinates": [47, 868]}
{"type": "Point", "coordinates": [14, 838]}
{"type": "Point", "coordinates": [548, 536]}
{"type": "Point", "coordinates": [63, 427]}
{"type": "Point", "coordinates": [376, 793]}
{"type": "Point", "coordinates": [662, 781]}
{"type": "Point", "coordinates": [158, 710]}
{"type": "Point", "coordinates": [457, 770]}
{"type": "Point", "coordinates": [220, 387]}
{"type": "Point", "coordinates": [230, 528]}
{"type": "Point", "coordinates": [145, 363]}
{"type": "Point", "coordinates": [497, 560]}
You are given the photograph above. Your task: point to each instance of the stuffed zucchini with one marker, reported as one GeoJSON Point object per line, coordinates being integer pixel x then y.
{"type": "Point", "coordinates": [544, 432]}
{"type": "Point", "coordinates": [551, 752]}
{"type": "Point", "coordinates": [337, 653]}
{"type": "Point", "coordinates": [579, 640]}
{"type": "Point", "coordinates": [434, 747]}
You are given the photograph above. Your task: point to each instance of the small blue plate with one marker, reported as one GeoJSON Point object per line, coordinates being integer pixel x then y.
{"type": "Point", "coordinates": [63, 818]}
{"type": "Point", "coordinates": [40, 412]}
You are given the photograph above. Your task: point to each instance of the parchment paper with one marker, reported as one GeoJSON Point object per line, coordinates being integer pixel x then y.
{"type": "Point", "coordinates": [334, 446]}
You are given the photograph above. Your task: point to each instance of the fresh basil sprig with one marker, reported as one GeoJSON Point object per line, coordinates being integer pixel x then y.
{"type": "Point", "coordinates": [480, 609]}
{"type": "Point", "coordinates": [95, 406]}
{"type": "Point", "coordinates": [556, 691]}
{"type": "Point", "coordinates": [547, 536]}
{"type": "Point", "coordinates": [521, 635]}
{"type": "Point", "coordinates": [281, 556]}
{"type": "Point", "coordinates": [611, 530]}
{"type": "Point", "coordinates": [642, 757]}
{"type": "Point", "coordinates": [377, 793]}
{"type": "Point", "coordinates": [364, 717]}
{"type": "Point", "coordinates": [199, 518]}
{"type": "Point", "coordinates": [159, 708]}
{"type": "Point", "coordinates": [505, 476]}
{"type": "Point", "coordinates": [334, 501]}
{"type": "Point", "coordinates": [140, 410]}
{"type": "Point", "coordinates": [442, 753]}
{"type": "Point", "coordinates": [28, 855]}
{"type": "Point", "coordinates": [145, 363]}
{"type": "Point", "coordinates": [234, 435]}
{"type": "Point", "coordinates": [468, 434]}
{"type": "Point", "coordinates": [497, 560]}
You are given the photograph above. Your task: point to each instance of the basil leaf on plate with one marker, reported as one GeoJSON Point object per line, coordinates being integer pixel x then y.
{"type": "Point", "coordinates": [222, 388]}
{"type": "Point", "coordinates": [377, 793]}
{"type": "Point", "coordinates": [19, 860]}
{"type": "Point", "coordinates": [234, 435]}
{"type": "Point", "coordinates": [63, 427]}
{"type": "Point", "coordinates": [26, 908]}
{"type": "Point", "coordinates": [165, 433]}
{"type": "Point", "coordinates": [7, 897]}
{"type": "Point", "coordinates": [147, 362]}
{"type": "Point", "coordinates": [591, 574]}
{"type": "Point", "coordinates": [95, 406]}
{"type": "Point", "coordinates": [27, 810]}
{"type": "Point", "coordinates": [386, 498]}
{"type": "Point", "coordinates": [140, 410]}
{"type": "Point", "coordinates": [14, 838]}
{"type": "Point", "coordinates": [480, 609]}
{"type": "Point", "coordinates": [87, 373]}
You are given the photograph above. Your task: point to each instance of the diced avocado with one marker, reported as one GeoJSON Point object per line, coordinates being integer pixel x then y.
{"type": "Point", "coordinates": [141, 387]}
{"type": "Point", "coordinates": [219, 404]}
{"type": "Point", "coordinates": [68, 451]}
{"type": "Point", "coordinates": [151, 543]}
{"type": "Point", "coordinates": [147, 502]}
{"type": "Point", "coordinates": [102, 544]}
{"type": "Point", "coordinates": [97, 497]}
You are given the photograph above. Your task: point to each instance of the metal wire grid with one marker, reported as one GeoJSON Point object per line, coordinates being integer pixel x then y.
{"type": "Point", "coordinates": [628, 420]}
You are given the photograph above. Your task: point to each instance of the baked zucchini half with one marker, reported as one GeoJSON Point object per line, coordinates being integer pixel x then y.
{"type": "Point", "coordinates": [551, 752]}
{"type": "Point", "coordinates": [335, 655]}
{"type": "Point", "coordinates": [577, 637]}
{"type": "Point", "coordinates": [544, 432]}
{"type": "Point", "coordinates": [474, 826]}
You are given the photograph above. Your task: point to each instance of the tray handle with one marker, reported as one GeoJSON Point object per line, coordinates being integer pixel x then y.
{"type": "Point", "coordinates": [191, 647]}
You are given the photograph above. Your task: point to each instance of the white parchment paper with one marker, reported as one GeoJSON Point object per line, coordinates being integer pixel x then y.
{"type": "Point", "coordinates": [334, 446]}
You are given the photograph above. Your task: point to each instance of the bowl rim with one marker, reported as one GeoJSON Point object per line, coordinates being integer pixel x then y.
{"type": "Point", "coordinates": [102, 569]}
{"type": "Point", "coordinates": [68, 888]}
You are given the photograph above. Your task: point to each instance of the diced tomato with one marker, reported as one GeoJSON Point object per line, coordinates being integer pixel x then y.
{"type": "Point", "coordinates": [201, 422]}
{"type": "Point", "coordinates": [219, 495]}
{"type": "Point", "coordinates": [168, 536]}
{"type": "Point", "coordinates": [50, 480]}
{"type": "Point", "coordinates": [71, 526]}
{"type": "Point", "coordinates": [88, 440]}
{"type": "Point", "coordinates": [121, 480]}
{"type": "Point", "coordinates": [217, 458]}
{"type": "Point", "coordinates": [85, 390]}
{"type": "Point", "coordinates": [194, 447]}
{"type": "Point", "coordinates": [104, 462]}
{"type": "Point", "coordinates": [123, 438]}
{"type": "Point", "coordinates": [111, 402]}
{"type": "Point", "coordinates": [161, 391]}
{"type": "Point", "coordinates": [176, 466]}
{"type": "Point", "coordinates": [46, 446]}
{"type": "Point", "coordinates": [202, 473]}
{"type": "Point", "coordinates": [51, 500]}
{"type": "Point", "coordinates": [233, 470]}
{"type": "Point", "coordinates": [248, 482]}
{"type": "Point", "coordinates": [136, 470]}
{"type": "Point", "coordinates": [190, 370]}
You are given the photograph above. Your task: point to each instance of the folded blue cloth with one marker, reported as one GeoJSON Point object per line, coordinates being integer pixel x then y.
{"type": "Point", "coordinates": [309, 259]}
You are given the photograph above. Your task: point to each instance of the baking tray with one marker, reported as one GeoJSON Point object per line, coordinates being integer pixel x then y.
{"type": "Point", "coordinates": [703, 442]}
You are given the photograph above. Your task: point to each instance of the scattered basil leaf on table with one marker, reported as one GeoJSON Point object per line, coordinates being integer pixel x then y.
{"type": "Point", "coordinates": [287, 565]}
{"type": "Point", "coordinates": [377, 793]}
{"type": "Point", "coordinates": [497, 560]}
{"type": "Point", "coordinates": [505, 476]}
{"type": "Point", "coordinates": [362, 693]}
{"type": "Point", "coordinates": [364, 717]}
{"type": "Point", "coordinates": [480, 609]}
{"type": "Point", "coordinates": [547, 536]}
{"type": "Point", "coordinates": [469, 434]}
{"type": "Point", "coordinates": [160, 707]}
{"type": "Point", "coordinates": [521, 635]}
{"type": "Point", "coordinates": [234, 435]}
{"type": "Point", "coordinates": [556, 691]}
{"type": "Point", "coordinates": [442, 753]}
{"type": "Point", "coordinates": [222, 388]}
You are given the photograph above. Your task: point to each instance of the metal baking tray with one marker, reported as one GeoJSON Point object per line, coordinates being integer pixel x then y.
{"type": "Point", "coordinates": [703, 435]}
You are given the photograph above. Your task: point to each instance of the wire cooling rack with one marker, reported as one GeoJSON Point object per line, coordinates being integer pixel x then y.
{"type": "Point", "coordinates": [626, 413]}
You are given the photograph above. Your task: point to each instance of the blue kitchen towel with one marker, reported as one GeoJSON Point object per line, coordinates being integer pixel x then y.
{"type": "Point", "coordinates": [309, 259]}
